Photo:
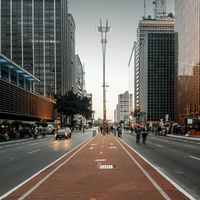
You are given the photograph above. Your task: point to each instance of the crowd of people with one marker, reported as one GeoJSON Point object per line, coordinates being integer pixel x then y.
{"type": "Point", "coordinates": [117, 131]}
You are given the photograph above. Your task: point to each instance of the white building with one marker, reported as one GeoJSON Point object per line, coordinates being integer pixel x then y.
{"type": "Point", "coordinates": [79, 73]}
{"type": "Point", "coordinates": [124, 106]}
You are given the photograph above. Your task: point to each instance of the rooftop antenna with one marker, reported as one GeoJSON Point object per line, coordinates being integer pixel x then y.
{"type": "Point", "coordinates": [144, 9]}
{"type": "Point", "coordinates": [159, 9]}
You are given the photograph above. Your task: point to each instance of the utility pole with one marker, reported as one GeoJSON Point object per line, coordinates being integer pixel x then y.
{"type": "Point", "coordinates": [103, 31]}
{"type": "Point", "coordinates": [144, 9]}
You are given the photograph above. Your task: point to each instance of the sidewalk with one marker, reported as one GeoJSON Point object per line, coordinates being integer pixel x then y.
{"type": "Point", "coordinates": [102, 168]}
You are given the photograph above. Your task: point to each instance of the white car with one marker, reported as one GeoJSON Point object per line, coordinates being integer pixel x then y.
{"type": "Point", "coordinates": [63, 133]}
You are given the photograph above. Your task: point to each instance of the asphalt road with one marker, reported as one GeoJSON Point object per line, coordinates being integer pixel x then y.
{"type": "Point", "coordinates": [22, 159]}
{"type": "Point", "coordinates": [176, 157]}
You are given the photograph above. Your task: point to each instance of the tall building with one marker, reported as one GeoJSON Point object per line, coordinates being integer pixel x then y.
{"type": "Point", "coordinates": [157, 54]}
{"type": "Point", "coordinates": [78, 85]}
{"type": "Point", "coordinates": [34, 34]}
{"type": "Point", "coordinates": [187, 22]}
{"type": "Point", "coordinates": [70, 53]}
{"type": "Point", "coordinates": [124, 106]}
{"type": "Point", "coordinates": [146, 26]}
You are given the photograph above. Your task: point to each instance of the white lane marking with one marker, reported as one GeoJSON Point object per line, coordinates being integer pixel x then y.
{"type": "Point", "coordinates": [162, 192]}
{"type": "Point", "coordinates": [34, 151]}
{"type": "Point", "coordinates": [33, 144]}
{"type": "Point", "coordinates": [48, 175]}
{"type": "Point", "coordinates": [94, 144]}
{"type": "Point", "coordinates": [112, 147]}
{"type": "Point", "coordinates": [159, 145]}
{"type": "Point", "coordinates": [194, 157]}
{"type": "Point", "coordinates": [10, 145]}
{"type": "Point", "coordinates": [161, 173]}
{"type": "Point", "coordinates": [186, 145]}
{"type": "Point", "coordinates": [100, 160]}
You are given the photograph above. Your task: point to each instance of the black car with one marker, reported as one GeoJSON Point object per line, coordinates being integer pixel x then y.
{"type": "Point", "coordinates": [63, 133]}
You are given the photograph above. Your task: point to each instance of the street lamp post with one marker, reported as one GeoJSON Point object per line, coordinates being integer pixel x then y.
{"type": "Point", "coordinates": [103, 31]}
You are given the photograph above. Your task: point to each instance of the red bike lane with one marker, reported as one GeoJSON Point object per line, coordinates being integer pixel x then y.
{"type": "Point", "coordinates": [101, 168]}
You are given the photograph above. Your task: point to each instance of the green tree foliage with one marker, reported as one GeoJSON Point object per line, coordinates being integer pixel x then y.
{"type": "Point", "coordinates": [72, 104]}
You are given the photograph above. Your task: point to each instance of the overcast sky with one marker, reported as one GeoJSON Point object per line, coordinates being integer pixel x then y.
{"type": "Point", "coordinates": [123, 17]}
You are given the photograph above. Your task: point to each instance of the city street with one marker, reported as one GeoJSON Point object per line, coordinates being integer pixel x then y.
{"type": "Point", "coordinates": [176, 157]}
{"type": "Point", "coordinates": [21, 159]}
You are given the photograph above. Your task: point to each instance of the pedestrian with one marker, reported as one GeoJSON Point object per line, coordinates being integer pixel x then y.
{"type": "Point", "coordinates": [119, 131]}
{"type": "Point", "coordinates": [111, 129]}
{"type": "Point", "coordinates": [144, 136]}
{"type": "Point", "coordinates": [131, 130]}
{"type": "Point", "coordinates": [138, 132]}
{"type": "Point", "coordinates": [114, 130]}
{"type": "Point", "coordinates": [101, 129]}
{"type": "Point", "coordinates": [35, 133]}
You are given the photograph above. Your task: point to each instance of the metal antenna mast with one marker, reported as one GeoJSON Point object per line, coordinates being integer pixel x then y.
{"type": "Point", "coordinates": [103, 31]}
{"type": "Point", "coordinates": [160, 8]}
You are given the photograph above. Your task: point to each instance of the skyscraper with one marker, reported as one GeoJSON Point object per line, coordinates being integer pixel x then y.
{"type": "Point", "coordinates": [157, 54]}
{"type": "Point", "coordinates": [71, 53]}
{"type": "Point", "coordinates": [33, 34]}
{"type": "Point", "coordinates": [188, 83]}
{"type": "Point", "coordinates": [147, 26]}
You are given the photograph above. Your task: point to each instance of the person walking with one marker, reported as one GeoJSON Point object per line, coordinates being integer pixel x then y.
{"type": "Point", "coordinates": [138, 132]}
{"type": "Point", "coordinates": [144, 136]}
{"type": "Point", "coordinates": [132, 130]}
{"type": "Point", "coordinates": [35, 133]}
{"type": "Point", "coordinates": [119, 130]}
{"type": "Point", "coordinates": [101, 128]}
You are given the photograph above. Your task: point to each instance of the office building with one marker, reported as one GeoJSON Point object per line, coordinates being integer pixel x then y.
{"type": "Point", "coordinates": [78, 84]}
{"type": "Point", "coordinates": [70, 74]}
{"type": "Point", "coordinates": [157, 77]}
{"type": "Point", "coordinates": [188, 85]}
{"type": "Point", "coordinates": [146, 26]}
{"type": "Point", "coordinates": [34, 35]}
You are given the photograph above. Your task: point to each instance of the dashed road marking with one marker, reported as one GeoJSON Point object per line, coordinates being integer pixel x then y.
{"type": "Point", "coordinates": [194, 157]}
{"type": "Point", "coordinates": [100, 160]}
{"type": "Point", "coordinates": [34, 151]}
{"type": "Point", "coordinates": [159, 145]}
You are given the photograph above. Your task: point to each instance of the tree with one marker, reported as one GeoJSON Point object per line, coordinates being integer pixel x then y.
{"type": "Point", "coordinates": [72, 104]}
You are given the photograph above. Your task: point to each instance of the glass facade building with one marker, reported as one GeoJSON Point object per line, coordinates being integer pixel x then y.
{"type": "Point", "coordinates": [157, 76]}
{"type": "Point", "coordinates": [145, 59]}
{"type": "Point", "coordinates": [33, 34]}
{"type": "Point", "coordinates": [146, 26]}
{"type": "Point", "coordinates": [187, 24]}
{"type": "Point", "coordinates": [71, 53]}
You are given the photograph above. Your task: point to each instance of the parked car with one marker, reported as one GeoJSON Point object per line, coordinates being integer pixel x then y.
{"type": "Point", "coordinates": [63, 133]}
